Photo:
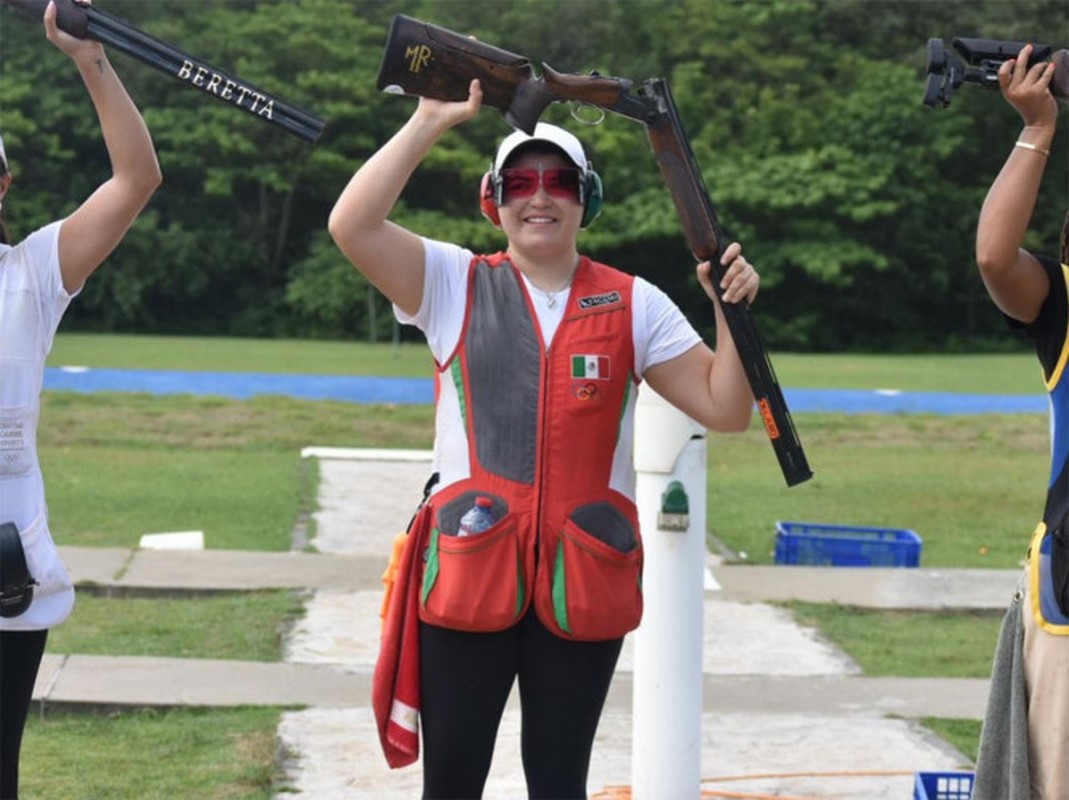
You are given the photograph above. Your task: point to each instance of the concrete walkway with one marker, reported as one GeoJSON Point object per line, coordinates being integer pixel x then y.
{"type": "Point", "coordinates": [139, 681]}
{"type": "Point", "coordinates": [778, 698]}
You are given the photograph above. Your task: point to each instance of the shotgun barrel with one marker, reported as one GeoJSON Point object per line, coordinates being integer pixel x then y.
{"type": "Point", "coordinates": [87, 22]}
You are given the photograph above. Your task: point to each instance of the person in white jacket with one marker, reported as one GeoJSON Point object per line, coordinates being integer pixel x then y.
{"type": "Point", "coordinates": [38, 278]}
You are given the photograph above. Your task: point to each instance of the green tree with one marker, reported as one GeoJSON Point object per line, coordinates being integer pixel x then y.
{"type": "Point", "coordinates": [857, 203]}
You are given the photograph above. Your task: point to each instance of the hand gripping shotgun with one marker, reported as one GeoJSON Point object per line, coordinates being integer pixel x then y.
{"type": "Point", "coordinates": [86, 22]}
{"type": "Point", "coordinates": [425, 60]}
{"type": "Point", "coordinates": [978, 61]}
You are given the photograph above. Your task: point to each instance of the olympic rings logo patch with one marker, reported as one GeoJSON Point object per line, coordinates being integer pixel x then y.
{"type": "Point", "coordinates": [587, 390]}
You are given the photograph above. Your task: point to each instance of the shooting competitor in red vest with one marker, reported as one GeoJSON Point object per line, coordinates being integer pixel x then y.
{"type": "Point", "coordinates": [539, 352]}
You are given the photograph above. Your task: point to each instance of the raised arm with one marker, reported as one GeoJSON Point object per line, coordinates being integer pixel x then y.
{"type": "Point", "coordinates": [390, 256]}
{"type": "Point", "coordinates": [712, 388]}
{"type": "Point", "coordinates": [1013, 277]}
{"type": "Point", "coordinates": [88, 235]}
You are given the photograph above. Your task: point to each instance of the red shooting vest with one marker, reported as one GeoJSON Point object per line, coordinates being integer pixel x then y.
{"type": "Point", "coordinates": [542, 432]}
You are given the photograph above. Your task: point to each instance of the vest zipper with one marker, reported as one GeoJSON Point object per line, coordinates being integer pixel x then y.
{"type": "Point", "coordinates": [544, 365]}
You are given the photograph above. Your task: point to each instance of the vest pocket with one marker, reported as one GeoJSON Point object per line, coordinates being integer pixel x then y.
{"type": "Point", "coordinates": [473, 583]}
{"type": "Point", "coordinates": [596, 589]}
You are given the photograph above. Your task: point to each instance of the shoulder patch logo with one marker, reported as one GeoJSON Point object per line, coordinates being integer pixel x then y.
{"type": "Point", "coordinates": [593, 301]}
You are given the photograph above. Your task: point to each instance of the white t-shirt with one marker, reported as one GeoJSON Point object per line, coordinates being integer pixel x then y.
{"type": "Point", "coordinates": [32, 302]}
{"type": "Point", "coordinates": [659, 329]}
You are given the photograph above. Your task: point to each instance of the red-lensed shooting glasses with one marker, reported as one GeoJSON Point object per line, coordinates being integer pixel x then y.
{"type": "Point", "coordinates": [560, 182]}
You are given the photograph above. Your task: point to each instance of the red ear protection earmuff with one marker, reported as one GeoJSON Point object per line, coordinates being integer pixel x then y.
{"type": "Point", "coordinates": [591, 195]}
{"type": "Point", "coordinates": [488, 200]}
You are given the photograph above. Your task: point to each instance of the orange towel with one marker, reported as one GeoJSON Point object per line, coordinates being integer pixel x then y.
{"type": "Point", "coordinates": [395, 684]}
{"type": "Point", "coordinates": [389, 577]}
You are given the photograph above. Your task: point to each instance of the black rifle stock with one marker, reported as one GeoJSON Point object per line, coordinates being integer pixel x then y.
{"type": "Point", "coordinates": [92, 23]}
{"type": "Point", "coordinates": [978, 60]}
{"type": "Point", "coordinates": [429, 61]}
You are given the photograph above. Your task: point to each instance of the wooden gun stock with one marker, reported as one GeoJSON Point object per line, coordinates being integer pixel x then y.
{"type": "Point", "coordinates": [92, 23]}
{"type": "Point", "coordinates": [425, 60]}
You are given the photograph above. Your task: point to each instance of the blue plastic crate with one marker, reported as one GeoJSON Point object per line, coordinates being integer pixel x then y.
{"type": "Point", "coordinates": [943, 785]}
{"type": "Point", "coordinates": [846, 546]}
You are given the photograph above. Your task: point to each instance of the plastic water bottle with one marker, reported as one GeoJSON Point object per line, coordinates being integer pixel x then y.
{"type": "Point", "coordinates": [478, 519]}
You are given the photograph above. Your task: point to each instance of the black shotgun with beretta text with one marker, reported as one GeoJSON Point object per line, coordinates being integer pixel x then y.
{"type": "Point", "coordinates": [87, 22]}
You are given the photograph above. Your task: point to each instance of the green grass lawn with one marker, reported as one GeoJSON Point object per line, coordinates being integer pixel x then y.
{"type": "Point", "coordinates": [908, 644]}
{"type": "Point", "coordinates": [1015, 373]}
{"type": "Point", "coordinates": [120, 465]}
{"type": "Point", "coordinates": [216, 354]}
{"type": "Point", "coordinates": [243, 626]}
{"type": "Point", "coordinates": [1003, 373]}
{"type": "Point", "coordinates": [963, 734]}
{"type": "Point", "coordinates": [208, 754]}
{"type": "Point", "coordinates": [971, 487]}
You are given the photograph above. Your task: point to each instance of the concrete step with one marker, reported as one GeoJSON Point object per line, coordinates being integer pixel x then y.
{"type": "Point", "coordinates": [117, 571]}
{"type": "Point", "coordinates": [137, 681]}
{"type": "Point", "coordinates": [135, 571]}
{"type": "Point", "coordinates": [142, 682]}
{"type": "Point", "coordinates": [927, 589]}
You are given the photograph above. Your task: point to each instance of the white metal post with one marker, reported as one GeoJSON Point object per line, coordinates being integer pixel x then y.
{"type": "Point", "coordinates": [670, 450]}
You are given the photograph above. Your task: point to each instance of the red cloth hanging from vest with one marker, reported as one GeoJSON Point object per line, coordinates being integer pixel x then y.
{"type": "Point", "coordinates": [395, 684]}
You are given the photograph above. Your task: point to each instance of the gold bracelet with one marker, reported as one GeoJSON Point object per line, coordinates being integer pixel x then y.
{"type": "Point", "coordinates": [1030, 146]}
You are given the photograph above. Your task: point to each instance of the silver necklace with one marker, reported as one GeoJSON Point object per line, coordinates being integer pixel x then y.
{"type": "Point", "coordinates": [551, 296]}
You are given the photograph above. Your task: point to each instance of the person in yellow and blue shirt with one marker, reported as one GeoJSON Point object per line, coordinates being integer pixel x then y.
{"type": "Point", "coordinates": [1024, 747]}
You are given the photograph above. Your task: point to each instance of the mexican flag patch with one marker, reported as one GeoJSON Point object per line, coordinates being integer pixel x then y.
{"type": "Point", "coordinates": [590, 367]}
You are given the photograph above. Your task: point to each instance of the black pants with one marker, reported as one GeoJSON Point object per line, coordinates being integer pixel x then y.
{"type": "Point", "coordinates": [465, 679]}
{"type": "Point", "coordinates": [20, 658]}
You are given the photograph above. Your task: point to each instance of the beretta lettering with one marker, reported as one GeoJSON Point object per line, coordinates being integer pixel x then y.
{"type": "Point", "coordinates": [599, 300]}
{"type": "Point", "coordinates": [226, 89]}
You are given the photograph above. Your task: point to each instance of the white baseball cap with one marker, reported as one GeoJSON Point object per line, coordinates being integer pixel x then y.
{"type": "Point", "coordinates": [544, 132]}
{"type": "Point", "coordinates": [3, 155]}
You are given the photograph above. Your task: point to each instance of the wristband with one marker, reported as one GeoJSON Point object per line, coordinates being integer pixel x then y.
{"type": "Point", "coordinates": [1030, 146]}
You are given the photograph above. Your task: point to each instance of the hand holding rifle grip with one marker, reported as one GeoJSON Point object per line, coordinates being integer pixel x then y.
{"type": "Point", "coordinates": [70, 17]}
{"type": "Point", "coordinates": [653, 106]}
{"type": "Point", "coordinates": [421, 59]}
{"type": "Point", "coordinates": [425, 60]}
{"type": "Point", "coordinates": [978, 61]}
{"type": "Point", "coordinates": [86, 22]}
{"type": "Point", "coordinates": [706, 240]}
